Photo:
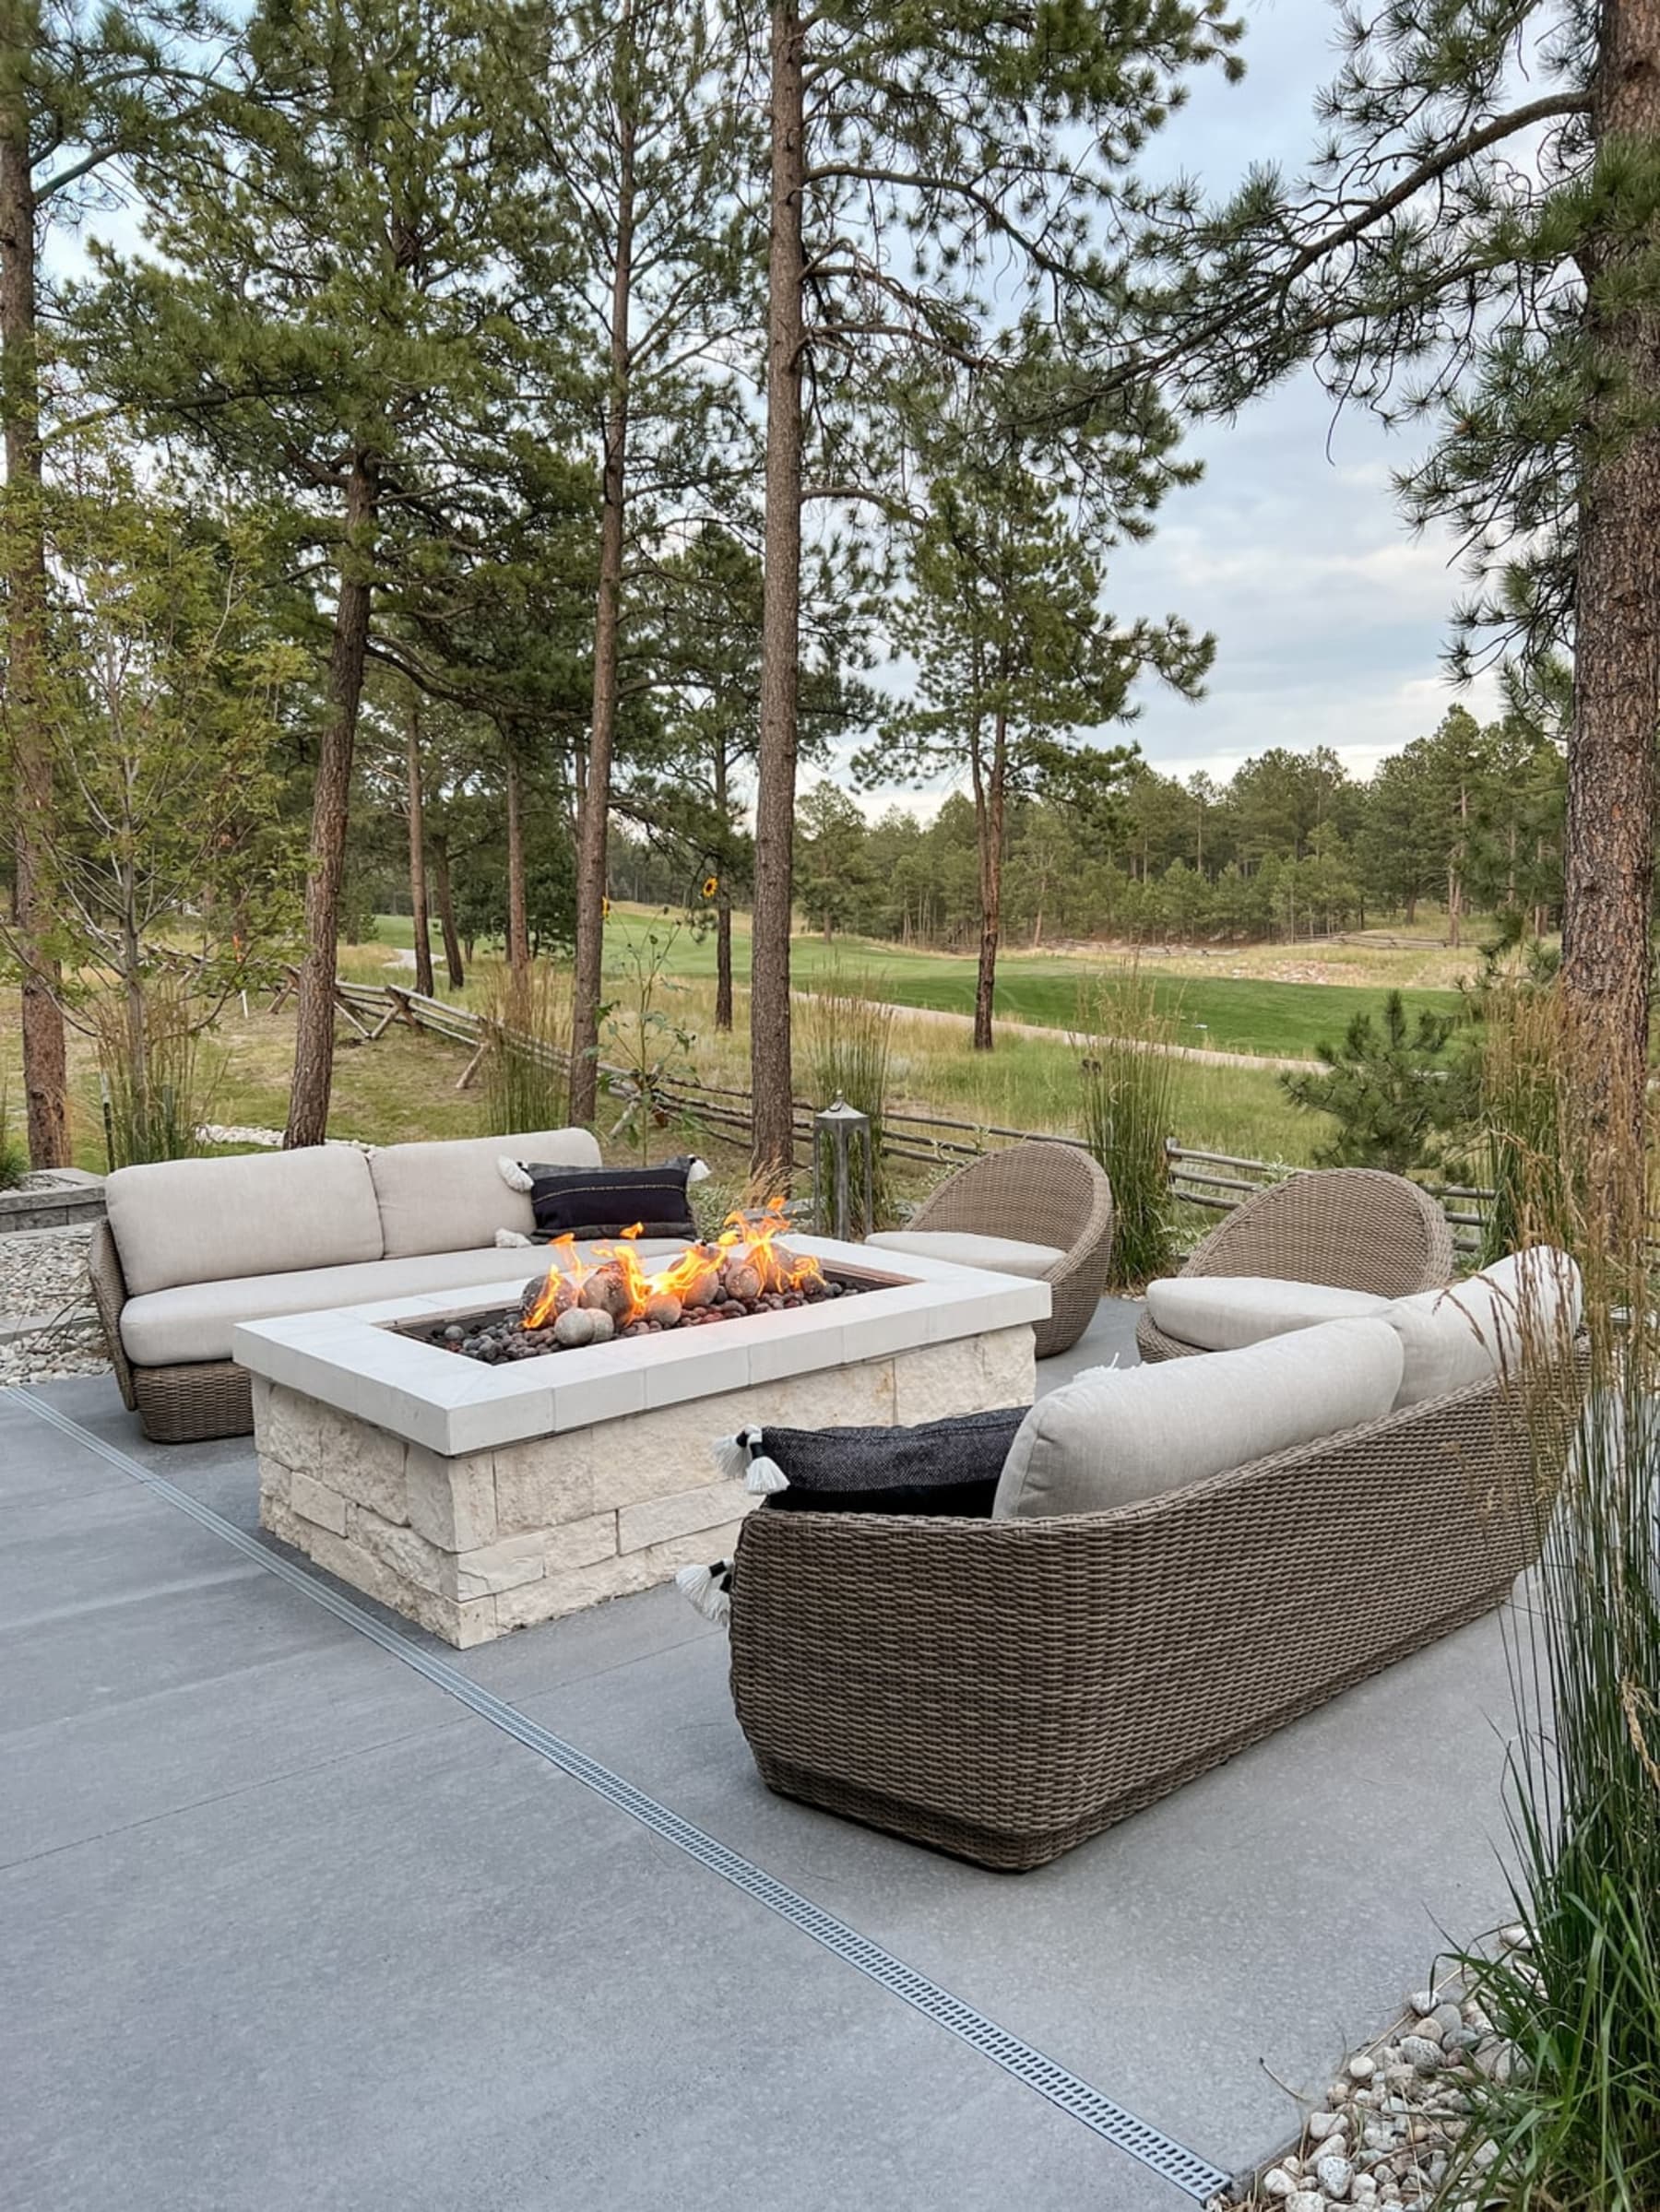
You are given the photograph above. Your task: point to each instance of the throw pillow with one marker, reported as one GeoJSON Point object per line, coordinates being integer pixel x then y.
{"type": "Point", "coordinates": [948, 1466]}
{"type": "Point", "coordinates": [603, 1201]}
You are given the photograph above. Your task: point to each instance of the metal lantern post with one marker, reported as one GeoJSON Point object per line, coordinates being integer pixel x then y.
{"type": "Point", "coordinates": [834, 1130]}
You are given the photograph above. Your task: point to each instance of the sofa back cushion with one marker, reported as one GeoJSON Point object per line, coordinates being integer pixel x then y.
{"type": "Point", "coordinates": [1114, 1435]}
{"type": "Point", "coordinates": [1222, 1312]}
{"type": "Point", "coordinates": [451, 1197]}
{"type": "Point", "coordinates": [1475, 1330]}
{"type": "Point", "coordinates": [253, 1214]}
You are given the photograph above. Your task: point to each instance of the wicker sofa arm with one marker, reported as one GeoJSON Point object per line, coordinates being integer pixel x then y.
{"type": "Point", "coordinates": [1003, 1689]}
{"type": "Point", "coordinates": [109, 1296]}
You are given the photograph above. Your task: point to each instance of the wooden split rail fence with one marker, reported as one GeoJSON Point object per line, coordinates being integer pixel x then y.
{"type": "Point", "coordinates": [1216, 1182]}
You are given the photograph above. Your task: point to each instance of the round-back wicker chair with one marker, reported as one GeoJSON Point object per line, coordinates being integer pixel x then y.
{"type": "Point", "coordinates": [1355, 1228]}
{"type": "Point", "coordinates": [1038, 1192]}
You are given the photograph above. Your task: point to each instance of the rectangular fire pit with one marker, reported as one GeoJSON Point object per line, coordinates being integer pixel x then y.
{"type": "Point", "coordinates": [477, 1498]}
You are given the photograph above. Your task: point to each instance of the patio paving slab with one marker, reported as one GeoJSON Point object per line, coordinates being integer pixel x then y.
{"type": "Point", "coordinates": [298, 1929]}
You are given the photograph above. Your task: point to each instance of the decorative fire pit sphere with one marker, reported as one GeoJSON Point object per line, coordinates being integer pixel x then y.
{"type": "Point", "coordinates": [746, 1271]}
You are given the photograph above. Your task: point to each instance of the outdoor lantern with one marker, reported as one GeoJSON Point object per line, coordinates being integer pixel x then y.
{"type": "Point", "coordinates": [835, 1132]}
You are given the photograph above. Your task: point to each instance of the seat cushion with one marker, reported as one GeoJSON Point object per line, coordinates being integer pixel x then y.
{"type": "Point", "coordinates": [1475, 1330]}
{"type": "Point", "coordinates": [1003, 1255]}
{"type": "Point", "coordinates": [254, 1214]}
{"type": "Point", "coordinates": [194, 1321]}
{"type": "Point", "coordinates": [1220, 1313]}
{"type": "Point", "coordinates": [1114, 1435]}
{"type": "Point", "coordinates": [451, 1197]}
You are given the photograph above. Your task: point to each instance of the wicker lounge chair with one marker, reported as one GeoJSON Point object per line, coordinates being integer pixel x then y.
{"type": "Point", "coordinates": [1033, 1194]}
{"type": "Point", "coordinates": [1003, 1689]}
{"type": "Point", "coordinates": [1353, 1228]}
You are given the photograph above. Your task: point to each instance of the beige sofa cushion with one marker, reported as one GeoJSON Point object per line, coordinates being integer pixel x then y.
{"type": "Point", "coordinates": [1003, 1255]}
{"type": "Point", "coordinates": [1114, 1435]}
{"type": "Point", "coordinates": [1219, 1313]}
{"type": "Point", "coordinates": [194, 1322]}
{"type": "Point", "coordinates": [254, 1213]}
{"type": "Point", "coordinates": [1475, 1330]}
{"type": "Point", "coordinates": [451, 1197]}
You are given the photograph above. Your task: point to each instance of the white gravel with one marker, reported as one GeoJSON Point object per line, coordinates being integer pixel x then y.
{"type": "Point", "coordinates": [46, 1328]}
{"type": "Point", "coordinates": [1395, 2117]}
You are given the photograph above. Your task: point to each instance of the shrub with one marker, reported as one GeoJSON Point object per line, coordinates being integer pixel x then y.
{"type": "Point", "coordinates": [1392, 1091]}
{"type": "Point", "coordinates": [1127, 1071]}
{"type": "Point", "coordinates": [14, 1151]}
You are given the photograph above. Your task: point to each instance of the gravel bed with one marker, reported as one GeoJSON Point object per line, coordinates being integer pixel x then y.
{"type": "Point", "coordinates": [44, 1276]}
{"type": "Point", "coordinates": [1393, 2120]}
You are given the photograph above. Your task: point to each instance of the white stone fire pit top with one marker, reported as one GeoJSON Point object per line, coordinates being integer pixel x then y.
{"type": "Point", "coordinates": [352, 1359]}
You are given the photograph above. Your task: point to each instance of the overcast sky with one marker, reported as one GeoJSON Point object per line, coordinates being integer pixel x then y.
{"type": "Point", "coordinates": [1329, 617]}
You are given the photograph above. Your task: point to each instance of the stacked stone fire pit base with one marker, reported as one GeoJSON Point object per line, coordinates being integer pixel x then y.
{"type": "Point", "coordinates": [615, 1488]}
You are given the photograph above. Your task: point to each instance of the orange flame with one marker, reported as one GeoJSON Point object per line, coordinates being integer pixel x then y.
{"type": "Point", "coordinates": [696, 1270]}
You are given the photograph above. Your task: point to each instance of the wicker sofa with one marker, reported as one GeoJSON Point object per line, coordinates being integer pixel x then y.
{"type": "Point", "coordinates": [1003, 1689]}
{"type": "Point", "coordinates": [192, 1247]}
{"type": "Point", "coordinates": [1040, 1209]}
{"type": "Point", "coordinates": [1350, 1228]}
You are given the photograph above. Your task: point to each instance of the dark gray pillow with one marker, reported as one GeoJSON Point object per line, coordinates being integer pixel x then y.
{"type": "Point", "coordinates": [602, 1201]}
{"type": "Point", "coordinates": [949, 1466]}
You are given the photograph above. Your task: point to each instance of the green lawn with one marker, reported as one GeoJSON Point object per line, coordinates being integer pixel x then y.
{"type": "Point", "coordinates": [1226, 1013]}
{"type": "Point", "coordinates": [1289, 1020]}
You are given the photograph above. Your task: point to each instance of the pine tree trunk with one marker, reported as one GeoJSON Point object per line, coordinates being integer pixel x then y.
{"type": "Point", "coordinates": [46, 1059]}
{"type": "Point", "coordinates": [770, 1065]}
{"type": "Point", "coordinates": [518, 930]}
{"type": "Point", "coordinates": [1609, 840]}
{"type": "Point", "coordinates": [594, 815]}
{"type": "Point", "coordinates": [331, 808]}
{"type": "Point", "coordinates": [417, 874]}
{"type": "Point", "coordinates": [989, 808]}
{"type": "Point", "coordinates": [455, 966]}
{"type": "Point", "coordinates": [723, 901]}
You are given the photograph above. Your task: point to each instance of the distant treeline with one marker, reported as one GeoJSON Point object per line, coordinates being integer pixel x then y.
{"type": "Point", "coordinates": [1468, 818]}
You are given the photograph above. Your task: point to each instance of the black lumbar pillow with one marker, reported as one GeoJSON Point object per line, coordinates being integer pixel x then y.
{"type": "Point", "coordinates": [936, 1467]}
{"type": "Point", "coordinates": [948, 1466]}
{"type": "Point", "coordinates": [604, 1202]}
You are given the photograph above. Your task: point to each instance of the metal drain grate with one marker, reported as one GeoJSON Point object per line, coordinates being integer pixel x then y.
{"type": "Point", "coordinates": [1173, 2161]}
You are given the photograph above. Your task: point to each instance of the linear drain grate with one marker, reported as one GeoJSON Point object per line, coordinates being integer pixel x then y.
{"type": "Point", "coordinates": [1176, 2164]}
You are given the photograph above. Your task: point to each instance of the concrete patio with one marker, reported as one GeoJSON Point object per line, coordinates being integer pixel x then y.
{"type": "Point", "coordinates": [288, 1924]}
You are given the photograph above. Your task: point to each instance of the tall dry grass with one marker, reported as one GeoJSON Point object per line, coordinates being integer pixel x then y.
{"type": "Point", "coordinates": [1575, 2124]}
{"type": "Point", "coordinates": [847, 1052]}
{"type": "Point", "coordinates": [157, 1074]}
{"type": "Point", "coordinates": [1127, 1093]}
{"type": "Point", "coordinates": [526, 1085]}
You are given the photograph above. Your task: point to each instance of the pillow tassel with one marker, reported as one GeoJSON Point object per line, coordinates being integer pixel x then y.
{"type": "Point", "coordinates": [708, 1589]}
{"type": "Point", "coordinates": [513, 1175]}
{"type": "Point", "coordinates": [732, 1453]}
{"type": "Point", "coordinates": [766, 1477]}
{"type": "Point", "coordinates": [509, 1240]}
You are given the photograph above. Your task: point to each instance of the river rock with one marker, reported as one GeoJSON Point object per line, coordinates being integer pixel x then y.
{"type": "Point", "coordinates": [1335, 2175]}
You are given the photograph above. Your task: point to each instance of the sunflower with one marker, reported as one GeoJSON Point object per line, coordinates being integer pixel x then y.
{"type": "Point", "coordinates": [711, 885]}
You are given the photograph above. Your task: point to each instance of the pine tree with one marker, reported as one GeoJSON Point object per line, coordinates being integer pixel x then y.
{"type": "Point", "coordinates": [641, 146]}
{"type": "Point", "coordinates": [1014, 655]}
{"type": "Point", "coordinates": [332, 322]}
{"type": "Point", "coordinates": [81, 90]}
{"type": "Point", "coordinates": [921, 160]}
{"type": "Point", "coordinates": [1479, 250]}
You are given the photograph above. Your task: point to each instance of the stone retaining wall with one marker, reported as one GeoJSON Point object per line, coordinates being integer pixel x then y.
{"type": "Point", "coordinates": [55, 1201]}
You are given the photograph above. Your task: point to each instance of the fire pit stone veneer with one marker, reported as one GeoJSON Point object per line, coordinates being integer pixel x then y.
{"type": "Point", "coordinates": [474, 1498]}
